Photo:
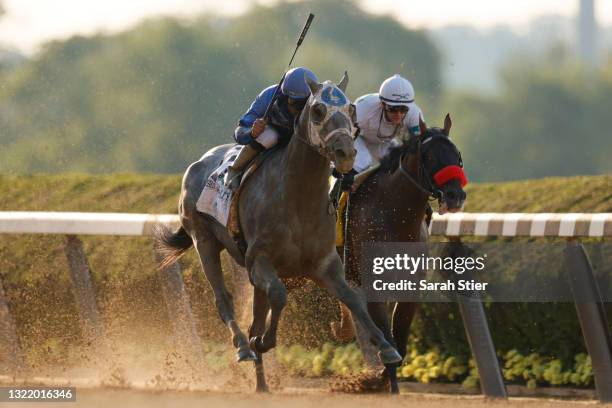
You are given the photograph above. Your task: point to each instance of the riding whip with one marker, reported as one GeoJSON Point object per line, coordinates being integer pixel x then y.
{"type": "Point", "coordinates": [280, 83]}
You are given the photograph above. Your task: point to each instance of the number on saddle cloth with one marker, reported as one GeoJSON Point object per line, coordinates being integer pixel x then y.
{"type": "Point", "coordinates": [216, 197]}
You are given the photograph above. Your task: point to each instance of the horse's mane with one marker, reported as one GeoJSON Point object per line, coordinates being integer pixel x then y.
{"type": "Point", "coordinates": [390, 162]}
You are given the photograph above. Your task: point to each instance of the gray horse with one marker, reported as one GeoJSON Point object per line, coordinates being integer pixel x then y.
{"type": "Point", "coordinates": [286, 222]}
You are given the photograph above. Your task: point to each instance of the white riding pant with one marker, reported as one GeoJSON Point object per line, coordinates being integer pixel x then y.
{"type": "Point", "coordinates": [268, 138]}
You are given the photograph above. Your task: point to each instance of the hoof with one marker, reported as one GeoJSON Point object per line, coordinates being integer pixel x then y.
{"type": "Point", "coordinates": [245, 355]}
{"type": "Point", "coordinates": [389, 355]}
{"type": "Point", "coordinates": [385, 373]}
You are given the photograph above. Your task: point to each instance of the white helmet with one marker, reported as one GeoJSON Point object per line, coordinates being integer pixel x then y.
{"type": "Point", "coordinates": [396, 90]}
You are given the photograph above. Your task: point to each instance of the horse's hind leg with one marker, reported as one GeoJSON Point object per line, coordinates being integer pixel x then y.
{"type": "Point", "coordinates": [265, 278]}
{"type": "Point", "coordinates": [258, 326]}
{"type": "Point", "coordinates": [209, 251]}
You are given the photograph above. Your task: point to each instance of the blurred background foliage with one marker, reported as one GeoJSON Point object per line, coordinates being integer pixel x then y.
{"type": "Point", "coordinates": [155, 97]}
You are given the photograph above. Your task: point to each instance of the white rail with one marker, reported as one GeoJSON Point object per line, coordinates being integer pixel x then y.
{"type": "Point", "coordinates": [81, 223]}
{"type": "Point", "coordinates": [523, 224]}
{"type": "Point", "coordinates": [459, 224]}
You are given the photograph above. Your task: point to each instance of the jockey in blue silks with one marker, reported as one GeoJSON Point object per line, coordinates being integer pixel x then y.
{"type": "Point", "coordinates": [258, 134]}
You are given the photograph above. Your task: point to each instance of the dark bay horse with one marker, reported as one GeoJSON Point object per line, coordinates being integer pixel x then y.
{"type": "Point", "coordinates": [389, 207]}
{"type": "Point", "coordinates": [287, 224]}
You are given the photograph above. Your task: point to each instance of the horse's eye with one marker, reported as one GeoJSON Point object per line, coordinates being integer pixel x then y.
{"type": "Point", "coordinates": [318, 112]}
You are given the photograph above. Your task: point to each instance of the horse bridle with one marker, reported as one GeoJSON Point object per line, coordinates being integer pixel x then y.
{"type": "Point", "coordinates": [322, 150]}
{"type": "Point", "coordinates": [331, 109]}
{"type": "Point", "coordinates": [433, 193]}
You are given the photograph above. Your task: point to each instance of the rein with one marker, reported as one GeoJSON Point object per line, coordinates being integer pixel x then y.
{"type": "Point", "coordinates": [434, 193]}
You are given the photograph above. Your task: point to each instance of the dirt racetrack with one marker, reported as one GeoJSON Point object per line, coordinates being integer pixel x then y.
{"type": "Point", "coordinates": [126, 398]}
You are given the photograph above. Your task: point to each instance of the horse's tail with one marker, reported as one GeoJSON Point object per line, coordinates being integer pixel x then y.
{"type": "Point", "coordinates": [170, 245]}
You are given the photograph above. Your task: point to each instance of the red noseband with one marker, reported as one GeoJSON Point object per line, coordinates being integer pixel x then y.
{"type": "Point", "coordinates": [449, 173]}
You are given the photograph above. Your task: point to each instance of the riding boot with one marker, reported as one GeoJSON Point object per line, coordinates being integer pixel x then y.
{"type": "Point", "coordinates": [232, 178]}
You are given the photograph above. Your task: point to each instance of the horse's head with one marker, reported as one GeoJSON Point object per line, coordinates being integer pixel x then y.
{"type": "Point", "coordinates": [326, 122]}
{"type": "Point", "coordinates": [440, 166]}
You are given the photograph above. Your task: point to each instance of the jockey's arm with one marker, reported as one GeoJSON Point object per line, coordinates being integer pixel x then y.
{"type": "Point", "coordinates": [242, 134]}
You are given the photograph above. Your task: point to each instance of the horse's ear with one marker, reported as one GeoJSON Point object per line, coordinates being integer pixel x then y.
{"type": "Point", "coordinates": [312, 84]}
{"type": "Point", "coordinates": [422, 126]}
{"type": "Point", "coordinates": [447, 124]}
{"type": "Point", "coordinates": [343, 82]}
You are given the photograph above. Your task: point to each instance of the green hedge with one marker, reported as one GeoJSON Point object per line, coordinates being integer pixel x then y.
{"type": "Point", "coordinates": [433, 366]}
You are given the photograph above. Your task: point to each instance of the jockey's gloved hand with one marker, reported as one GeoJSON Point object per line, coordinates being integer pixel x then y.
{"type": "Point", "coordinates": [258, 127]}
{"type": "Point", "coordinates": [347, 180]}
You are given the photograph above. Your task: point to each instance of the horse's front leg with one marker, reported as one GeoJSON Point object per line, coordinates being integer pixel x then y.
{"type": "Point", "coordinates": [332, 278]}
{"type": "Point", "coordinates": [378, 312]}
{"type": "Point", "coordinates": [403, 315]}
{"type": "Point", "coordinates": [265, 278]}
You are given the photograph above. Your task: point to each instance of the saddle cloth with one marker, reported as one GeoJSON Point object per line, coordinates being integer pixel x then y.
{"type": "Point", "coordinates": [216, 197]}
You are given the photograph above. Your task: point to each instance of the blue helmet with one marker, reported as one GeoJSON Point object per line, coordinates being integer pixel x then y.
{"type": "Point", "coordinates": [295, 86]}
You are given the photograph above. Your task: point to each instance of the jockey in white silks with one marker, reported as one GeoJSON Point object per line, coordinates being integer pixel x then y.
{"type": "Point", "coordinates": [383, 119]}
